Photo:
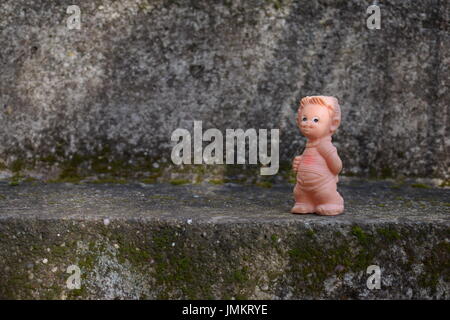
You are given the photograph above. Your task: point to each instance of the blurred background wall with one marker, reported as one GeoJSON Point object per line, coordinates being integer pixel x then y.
{"type": "Point", "coordinates": [139, 69]}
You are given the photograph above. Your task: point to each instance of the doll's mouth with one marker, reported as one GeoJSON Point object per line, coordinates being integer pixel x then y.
{"type": "Point", "coordinates": [307, 132]}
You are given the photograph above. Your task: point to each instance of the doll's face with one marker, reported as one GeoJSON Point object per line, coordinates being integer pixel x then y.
{"type": "Point", "coordinates": [314, 121]}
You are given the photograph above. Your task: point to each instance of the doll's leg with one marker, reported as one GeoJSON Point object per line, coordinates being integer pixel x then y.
{"type": "Point", "coordinates": [329, 201]}
{"type": "Point", "coordinates": [303, 203]}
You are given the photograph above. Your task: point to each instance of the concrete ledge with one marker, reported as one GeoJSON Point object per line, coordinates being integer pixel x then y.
{"type": "Point", "coordinates": [144, 241]}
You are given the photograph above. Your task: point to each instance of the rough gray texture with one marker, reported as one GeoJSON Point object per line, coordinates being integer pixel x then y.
{"type": "Point", "coordinates": [138, 69]}
{"type": "Point", "coordinates": [139, 241]}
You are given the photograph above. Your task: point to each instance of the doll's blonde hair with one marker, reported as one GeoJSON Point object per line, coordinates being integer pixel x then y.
{"type": "Point", "coordinates": [331, 103]}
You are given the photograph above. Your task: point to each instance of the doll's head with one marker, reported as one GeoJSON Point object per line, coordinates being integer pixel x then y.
{"type": "Point", "coordinates": [318, 116]}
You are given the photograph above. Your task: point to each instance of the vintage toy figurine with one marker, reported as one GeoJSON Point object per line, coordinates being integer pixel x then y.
{"type": "Point", "coordinates": [318, 167]}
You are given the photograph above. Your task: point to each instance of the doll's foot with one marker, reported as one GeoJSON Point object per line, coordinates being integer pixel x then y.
{"type": "Point", "coordinates": [329, 209]}
{"type": "Point", "coordinates": [302, 208]}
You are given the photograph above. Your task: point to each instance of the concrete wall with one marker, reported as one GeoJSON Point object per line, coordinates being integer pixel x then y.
{"type": "Point", "coordinates": [138, 69]}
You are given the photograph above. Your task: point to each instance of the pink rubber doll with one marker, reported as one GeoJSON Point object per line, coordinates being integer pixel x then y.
{"type": "Point", "coordinates": [318, 167]}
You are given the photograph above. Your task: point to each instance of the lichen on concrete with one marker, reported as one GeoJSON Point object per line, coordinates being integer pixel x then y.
{"type": "Point", "coordinates": [220, 241]}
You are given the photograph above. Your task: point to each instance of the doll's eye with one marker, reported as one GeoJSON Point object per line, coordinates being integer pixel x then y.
{"type": "Point", "coordinates": [304, 119]}
{"type": "Point", "coordinates": [315, 119]}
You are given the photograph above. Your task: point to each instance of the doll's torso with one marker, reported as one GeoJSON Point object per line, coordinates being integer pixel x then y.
{"type": "Point", "coordinates": [313, 170]}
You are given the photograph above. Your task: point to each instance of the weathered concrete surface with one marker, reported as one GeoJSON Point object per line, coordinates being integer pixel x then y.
{"type": "Point", "coordinates": [143, 241]}
{"type": "Point", "coordinates": [138, 69]}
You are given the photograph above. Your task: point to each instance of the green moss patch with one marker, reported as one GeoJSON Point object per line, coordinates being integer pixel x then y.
{"type": "Point", "coordinates": [177, 182]}
{"type": "Point", "coordinates": [420, 185]}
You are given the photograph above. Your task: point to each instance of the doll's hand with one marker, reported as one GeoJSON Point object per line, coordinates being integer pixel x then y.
{"type": "Point", "coordinates": [296, 163]}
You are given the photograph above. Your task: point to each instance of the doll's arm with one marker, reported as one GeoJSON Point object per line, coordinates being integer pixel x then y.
{"type": "Point", "coordinates": [329, 153]}
{"type": "Point", "coordinates": [296, 163]}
